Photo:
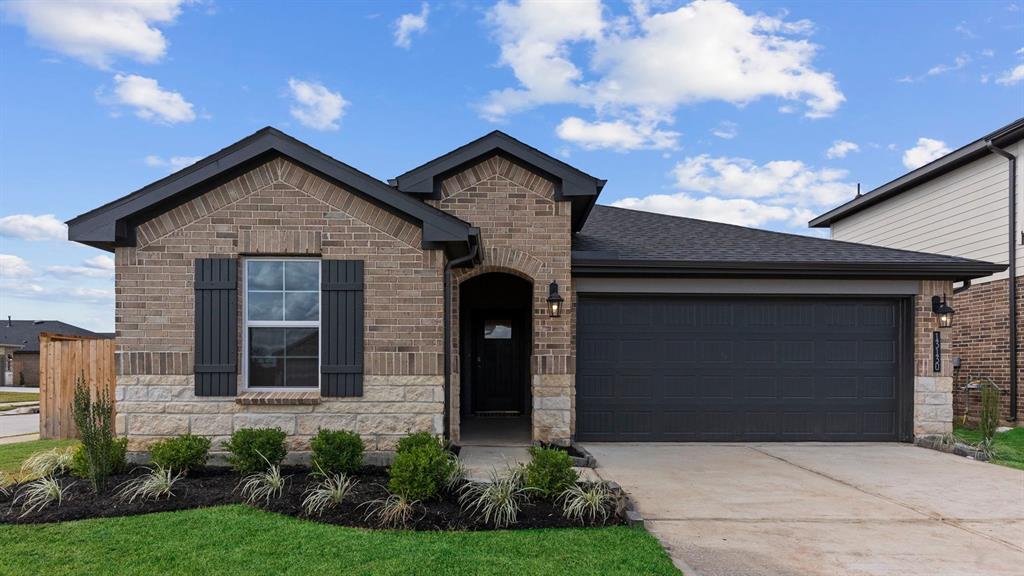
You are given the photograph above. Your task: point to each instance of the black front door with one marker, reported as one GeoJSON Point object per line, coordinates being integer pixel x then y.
{"type": "Point", "coordinates": [496, 365]}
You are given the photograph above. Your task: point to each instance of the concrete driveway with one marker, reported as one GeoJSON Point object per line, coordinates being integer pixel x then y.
{"type": "Point", "coordinates": [781, 509]}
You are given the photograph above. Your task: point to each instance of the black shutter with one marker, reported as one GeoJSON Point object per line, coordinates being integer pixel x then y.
{"type": "Point", "coordinates": [216, 320]}
{"type": "Point", "coordinates": [341, 328]}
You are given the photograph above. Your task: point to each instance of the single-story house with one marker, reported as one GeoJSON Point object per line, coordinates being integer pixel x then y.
{"type": "Point", "coordinates": [967, 203]}
{"type": "Point", "coordinates": [20, 340]}
{"type": "Point", "coordinates": [486, 291]}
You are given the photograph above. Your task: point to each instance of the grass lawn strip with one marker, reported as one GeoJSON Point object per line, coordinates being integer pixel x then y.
{"type": "Point", "coordinates": [245, 541]}
{"type": "Point", "coordinates": [7, 397]}
{"type": "Point", "coordinates": [1008, 449]}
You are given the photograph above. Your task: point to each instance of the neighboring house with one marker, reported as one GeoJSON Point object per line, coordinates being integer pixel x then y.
{"type": "Point", "coordinates": [967, 203]}
{"type": "Point", "coordinates": [22, 339]}
{"type": "Point", "coordinates": [272, 285]}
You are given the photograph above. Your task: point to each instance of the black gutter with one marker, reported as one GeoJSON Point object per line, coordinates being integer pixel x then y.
{"type": "Point", "coordinates": [1012, 186]}
{"type": "Point", "coordinates": [447, 280]}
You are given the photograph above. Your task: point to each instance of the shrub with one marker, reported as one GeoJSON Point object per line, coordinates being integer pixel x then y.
{"type": "Point", "coordinates": [497, 501]}
{"type": "Point", "coordinates": [419, 473]}
{"type": "Point", "coordinates": [417, 440]}
{"type": "Point", "coordinates": [253, 449]}
{"type": "Point", "coordinates": [549, 471]}
{"type": "Point", "coordinates": [117, 459]}
{"type": "Point", "coordinates": [95, 422]}
{"type": "Point", "coordinates": [181, 453]}
{"type": "Point", "coordinates": [156, 483]}
{"type": "Point", "coordinates": [337, 451]}
{"type": "Point", "coordinates": [989, 418]}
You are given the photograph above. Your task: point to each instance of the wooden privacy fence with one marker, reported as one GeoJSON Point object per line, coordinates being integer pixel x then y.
{"type": "Point", "coordinates": [62, 360]}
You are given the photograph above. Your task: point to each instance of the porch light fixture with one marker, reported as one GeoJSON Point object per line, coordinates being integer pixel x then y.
{"type": "Point", "coordinates": [943, 311]}
{"type": "Point", "coordinates": [554, 301]}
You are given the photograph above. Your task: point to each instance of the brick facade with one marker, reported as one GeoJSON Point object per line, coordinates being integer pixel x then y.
{"type": "Point", "coordinates": [526, 232]}
{"type": "Point", "coordinates": [278, 208]}
{"type": "Point", "coordinates": [933, 391]}
{"type": "Point", "coordinates": [982, 342]}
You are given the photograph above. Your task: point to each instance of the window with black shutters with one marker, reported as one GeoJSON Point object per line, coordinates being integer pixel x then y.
{"type": "Point", "coordinates": [282, 324]}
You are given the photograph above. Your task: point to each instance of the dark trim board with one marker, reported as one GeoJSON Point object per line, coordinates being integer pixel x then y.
{"type": "Point", "coordinates": [669, 397]}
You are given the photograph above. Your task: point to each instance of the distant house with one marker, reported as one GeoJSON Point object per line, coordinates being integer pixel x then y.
{"type": "Point", "coordinates": [968, 204]}
{"type": "Point", "coordinates": [19, 340]}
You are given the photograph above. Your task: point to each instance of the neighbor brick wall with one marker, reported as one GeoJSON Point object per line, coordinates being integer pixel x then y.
{"type": "Point", "coordinates": [27, 364]}
{"type": "Point", "coordinates": [527, 232]}
{"type": "Point", "coordinates": [981, 326]}
{"type": "Point", "coordinates": [278, 208]}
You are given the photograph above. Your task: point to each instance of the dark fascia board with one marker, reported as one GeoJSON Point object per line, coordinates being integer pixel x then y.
{"type": "Point", "coordinates": [570, 182]}
{"type": "Point", "coordinates": [1006, 135]}
{"type": "Point", "coordinates": [113, 224]}
{"type": "Point", "coordinates": [957, 271]}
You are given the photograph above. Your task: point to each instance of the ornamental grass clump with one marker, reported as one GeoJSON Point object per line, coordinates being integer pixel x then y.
{"type": "Point", "coordinates": [39, 494]}
{"type": "Point", "coordinates": [158, 482]}
{"type": "Point", "coordinates": [329, 492]}
{"type": "Point", "coordinates": [263, 485]}
{"type": "Point", "coordinates": [48, 462]}
{"type": "Point", "coordinates": [587, 502]}
{"type": "Point", "coordinates": [497, 501]}
{"type": "Point", "coordinates": [395, 511]}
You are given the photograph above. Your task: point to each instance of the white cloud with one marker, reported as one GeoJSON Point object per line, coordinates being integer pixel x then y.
{"type": "Point", "coordinates": [173, 163]}
{"type": "Point", "coordinates": [315, 106]}
{"type": "Point", "coordinates": [649, 63]}
{"type": "Point", "coordinates": [409, 24]}
{"type": "Point", "coordinates": [97, 32]}
{"type": "Point", "coordinates": [725, 130]}
{"type": "Point", "coordinates": [738, 211]}
{"type": "Point", "coordinates": [926, 150]}
{"type": "Point", "coordinates": [1012, 76]}
{"type": "Point", "coordinates": [12, 266]}
{"type": "Point", "coordinates": [101, 266]}
{"type": "Point", "coordinates": [150, 101]}
{"type": "Point", "coordinates": [740, 191]}
{"type": "Point", "coordinates": [616, 135]}
{"type": "Point", "coordinates": [29, 227]}
{"type": "Point", "coordinates": [840, 148]}
{"type": "Point", "coordinates": [958, 63]}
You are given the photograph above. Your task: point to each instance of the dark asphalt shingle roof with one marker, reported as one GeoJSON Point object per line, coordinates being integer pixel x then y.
{"type": "Point", "coordinates": [619, 234]}
{"type": "Point", "coordinates": [26, 332]}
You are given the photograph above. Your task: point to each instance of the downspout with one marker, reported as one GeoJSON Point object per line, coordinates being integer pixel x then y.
{"type": "Point", "coordinates": [448, 333]}
{"type": "Point", "coordinates": [1013, 273]}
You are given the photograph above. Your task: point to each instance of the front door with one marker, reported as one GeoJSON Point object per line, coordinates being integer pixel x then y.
{"type": "Point", "coordinates": [496, 365]}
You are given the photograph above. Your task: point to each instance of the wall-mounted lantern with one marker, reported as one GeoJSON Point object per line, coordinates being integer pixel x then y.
{"type": "Point", "coordinates": [943, 311]}
{"type": "Point", "coordinates": [554, 301]}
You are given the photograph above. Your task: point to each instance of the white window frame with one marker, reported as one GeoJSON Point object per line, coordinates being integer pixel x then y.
{"type": "Point", "coordinates": [246, 324]}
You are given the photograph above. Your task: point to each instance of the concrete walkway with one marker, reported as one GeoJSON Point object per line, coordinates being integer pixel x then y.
{"type": "Point", "coordinates": [828, 509]}
{"type": "Point", "coordinates": [19, 424]}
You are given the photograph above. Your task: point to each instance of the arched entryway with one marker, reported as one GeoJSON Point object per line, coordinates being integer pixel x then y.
{"type": "Point", "coordinates": [495, 339]}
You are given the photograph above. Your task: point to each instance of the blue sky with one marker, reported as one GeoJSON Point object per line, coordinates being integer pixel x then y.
{"type": "Point", "coordinates": [758, 113]}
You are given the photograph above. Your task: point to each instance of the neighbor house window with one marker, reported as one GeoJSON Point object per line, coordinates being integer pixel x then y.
{"type": "Point", "coordinates": [282, 323]}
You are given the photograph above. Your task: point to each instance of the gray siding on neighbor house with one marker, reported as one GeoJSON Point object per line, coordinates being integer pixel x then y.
{"type": "Point", "coordinates": [963, 213]}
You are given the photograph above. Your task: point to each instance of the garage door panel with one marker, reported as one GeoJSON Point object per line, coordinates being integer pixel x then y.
{"type": "Point", "coordinates": [737, 369]}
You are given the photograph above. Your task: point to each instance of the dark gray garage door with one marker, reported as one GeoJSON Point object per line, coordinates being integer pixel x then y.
{"type": "Point", "coordinates": [683, 369]}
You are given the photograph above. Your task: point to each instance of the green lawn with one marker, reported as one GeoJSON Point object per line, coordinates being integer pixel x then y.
{"type": "Point", "coordinates": [1008, 449]}
{"type": "Point", "coordinates": [11, 455]}
{"type": "Point", "coordinates": [245, 541]}
{"type": "Point", "coordinates": [6, 397]}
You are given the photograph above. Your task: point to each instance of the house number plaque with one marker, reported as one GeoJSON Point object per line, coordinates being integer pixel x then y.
{"type": "Point", "coordinates": [936, 351]}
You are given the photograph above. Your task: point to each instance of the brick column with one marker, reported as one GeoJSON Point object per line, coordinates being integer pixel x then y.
{"type": "Point", "coordinates": [933, 391]}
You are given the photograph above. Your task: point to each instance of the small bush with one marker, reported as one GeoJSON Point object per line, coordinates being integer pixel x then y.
{"type": "Point", "coordinates": [117, 461]}
{"type": "Point", "coordinates": [417, 440]}
{"type": "Point", "coordinates": [550, 471]}
{"type": "Point", "coordinates": [989, 418]}
{"type": "Point", "coordinates": [253, 449]}
{"type": "Point", "coordinates": [419, 473]}
{"type": "Point", "coordinates": [337, 451]}
{"type": "Point", "coordinates": [95, 422]}
{"type": "Point", "coordinates": [181, 453]}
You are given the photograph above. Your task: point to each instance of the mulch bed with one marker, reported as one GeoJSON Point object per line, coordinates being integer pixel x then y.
{"type": "Point", "coordinates": [214, 487]}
